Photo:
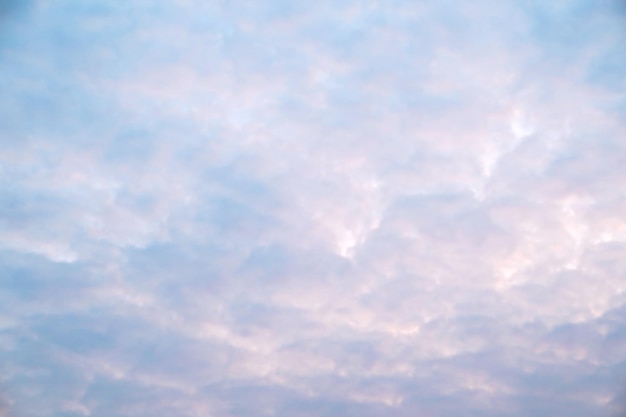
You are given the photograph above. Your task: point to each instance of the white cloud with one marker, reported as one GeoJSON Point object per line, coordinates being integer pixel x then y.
{"type": "Point", "coordinates": [292, 208]}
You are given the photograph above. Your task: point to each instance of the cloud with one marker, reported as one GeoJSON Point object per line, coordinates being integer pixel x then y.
{"type": "Point", "coordinates": [293, 208]}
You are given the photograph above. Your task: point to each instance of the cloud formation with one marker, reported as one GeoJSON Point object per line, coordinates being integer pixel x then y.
{"type": "Point", "coordinates": [312, 209]}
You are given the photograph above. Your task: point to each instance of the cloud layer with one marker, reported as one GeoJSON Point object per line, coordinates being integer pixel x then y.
{"type": "Point", "coordinates": [290, 208]}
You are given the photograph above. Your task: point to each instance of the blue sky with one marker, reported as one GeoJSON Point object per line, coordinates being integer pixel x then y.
{"type": "Point", "coordinates": [330, 208]}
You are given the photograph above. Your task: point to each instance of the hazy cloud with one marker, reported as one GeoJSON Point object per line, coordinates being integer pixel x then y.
{"type": "Point", "coordinates": [333, 208]}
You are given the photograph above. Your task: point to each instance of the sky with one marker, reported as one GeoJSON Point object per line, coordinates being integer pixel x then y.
{"type": "Point", "coordinates": [366, 208]}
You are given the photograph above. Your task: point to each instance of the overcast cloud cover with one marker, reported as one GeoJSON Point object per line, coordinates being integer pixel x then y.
{"type": "Point", "coordinates": [312, 208]}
